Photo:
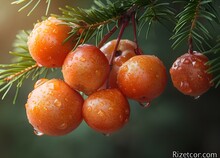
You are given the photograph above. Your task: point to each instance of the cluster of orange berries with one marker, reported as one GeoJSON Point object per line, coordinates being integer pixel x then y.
{"type": "Point", "coordinates": [56, 107]}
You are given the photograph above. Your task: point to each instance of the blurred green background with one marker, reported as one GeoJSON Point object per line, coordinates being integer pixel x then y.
{"type": "Point", "coordinates": [174, 122]}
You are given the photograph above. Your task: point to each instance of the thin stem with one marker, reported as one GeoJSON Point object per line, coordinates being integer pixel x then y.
{"type": "Point", "coordinates": [107, 36]}
{"type": "Point", "coordinates": [125, 22]}
{"type": "Point", "coordinates": [190, 40]}
{"type": "Point", "coordinates": [137, 51]}
{"type": "Point", "coordinates": [190, 44]}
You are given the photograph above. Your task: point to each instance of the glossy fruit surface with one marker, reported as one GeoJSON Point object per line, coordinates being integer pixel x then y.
{"type": "Point", "coordinates": [189, 74]}
{"type": "Point", "coordinates": [86, 69]}
{"type": "Point", "coordinates": [142, 78]}
{"type": "Point", "coordinates": [106, 111]}
{"type": "Point", "coordinates": [53, 108]}
{"type": "Point", "coordinates": [126, 50]}
{"type": "Point", "coordinates": [46, 42]}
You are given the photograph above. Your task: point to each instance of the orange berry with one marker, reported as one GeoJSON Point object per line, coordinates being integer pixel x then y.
{"type": "Point", "coordinates": [53, 108]}
{"type": "Point", "coordinates": [86, 69]}
{"type": "Point", "coordinates": [106, 111]}
{"type": "Point", "coordinates": [189, 74]}
{"type": "Point", "coordinates": [46, 42]}
{"type": "Point", "coordinates": [126, 49]}
{"type": "Point", "coordinates": [142, 77]}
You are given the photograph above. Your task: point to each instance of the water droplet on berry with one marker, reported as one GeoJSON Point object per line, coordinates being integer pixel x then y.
{"type": "Point", "coordinates": [186, 61]}
{"type": "Point", "coordinates": [126, 111]}
{"type": "Point", "coordinates": [199, 76]}
{"type": "Point", "coordinates": [63, 126]}
{"type": "Point", "coordinates": [57, 103]}
{"type": "Point", "coordinates": [51, 86]}
{"type": "Point", "coordinates": [179, 68]}
{"type": "Point", "coordinates": [126, 120]}
{"type": "Point", "coordinates": [196, 97]}
{"type": "Point", "coordinates": [29, 95]}
{"type": "Point", "coordinates": [194, 63]}
{"type": "Point", "coordinates": [89, 109]}
{"type": "Point", "coordinates": [106, 134]}
{"type": "Point", "coordinates": [134, 90]}
{"type": "Point", "coordinates": [39, 65]}
{"type": "Point", "coordinates": [40, 82]}
{"type": "Point", "coordinates": [97, 72]}
{"type": "Point", "coordinates": [121, 118]}
{"type": "Point", "coordinates": [100, 113]}
{"type": "Point", "coordinates": [82, 59]}
{"type": "Point", "coordinates": [110, 109]}
{"type": "Point", "coordinates": [38, 133]}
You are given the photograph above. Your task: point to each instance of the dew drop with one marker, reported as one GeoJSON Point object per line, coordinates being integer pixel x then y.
{"type": "Point", "coordinates": [199, 76]}
{"type": "Point", "coordinates": [29, 95]}
{"type": "Point", "coordinates": [106, 134]}
{"type": "Point", "coordinates": [126, 120]}
{"type": "Point", "coordinates": [145, 105]}
{"type": "Point", "coordinates": [179, 68]}
{"type": "Point", "coordinates": [63, 126]}
{"type": "Point", "coordinates": [126, 111]}
{"type": "Point", "coordinates": [40, 82]}
{"type": "Point", "coordinates": [97, 72]}
{"type": "Point", "coordinates": [39, 65]}
{"type": "Point", "coordinates": [51, 86]}
{"type": "Point", "coordinates": [57, 103]}
{"type": "Point", "coordinates": [194, 63]}
{"type": "Point", "coordinates": [196, 97]}
{"type": "Point", "coordinates": [110, 109]}
{"type": "Point", "coordinates": [38, 133]}
{"type": "Point", "coordinates": [186, 61]}
{"type": "Point", "coordinates": [134, 90]}
{"type": "Point", "coordinates": [89, 109]}
{"type": "Point", "coordinates": [121, 118]}
{"type": "Point", "coordinates": [175, 66]}
{"type": "Point", "coordinates": [181, 84]}
{"type": "Point", "coordinates": [100, 113]}
{"type": "Point", "coordinates": [82, 59]}
{"type": "Point", "coordinates": [126, 68]}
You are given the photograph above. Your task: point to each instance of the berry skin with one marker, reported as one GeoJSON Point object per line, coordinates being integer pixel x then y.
{"type": "Point", "coordinates": [53, 108]}
{"type": "Point", "coordinates": [106, 111]}
{"type": "Point", "coordinates": [86, 69]}
{"type": "Point", "coordinates": [126, 50]}
{"type": "Point", "coordinates": [46, 42]}
{"type": "Point", "coordinates": [189, 74]}
{"type": "Point", "coordinates": [142, 78]}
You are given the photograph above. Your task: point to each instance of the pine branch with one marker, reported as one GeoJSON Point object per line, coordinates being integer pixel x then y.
{"type": "Point", "coordinates": [191, 24]}
{"type": "Point", "coordinates": [103, 17]}
{"type": "Point", "coordinates": [21, 69]}
{"type": "Point", "coordinates": [155, 12]}
{"type": "Point", "coordinates": [29, 3]}
{"type": "Point", "coordinates": [215, 62]}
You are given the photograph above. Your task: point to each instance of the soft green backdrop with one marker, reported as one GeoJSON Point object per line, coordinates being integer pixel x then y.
{"type": "Point", "coordinates": [174, 122]}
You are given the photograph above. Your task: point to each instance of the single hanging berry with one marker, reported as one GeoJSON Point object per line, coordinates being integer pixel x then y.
{"type": "Point", "coordinates": [53, 108]}
{"type": "Point", "coordinates": [86, 69]}
{"type": "Point", "coordinates": [142, 78]}
{"type": "Point", "coordinates": [126, 49]}
{"type": "Point", "coordinates": [46, 42]}
{"type": "Point", "coordinates": [106, 111]}
{"type": "Point", "coordinates": [189, 74]}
